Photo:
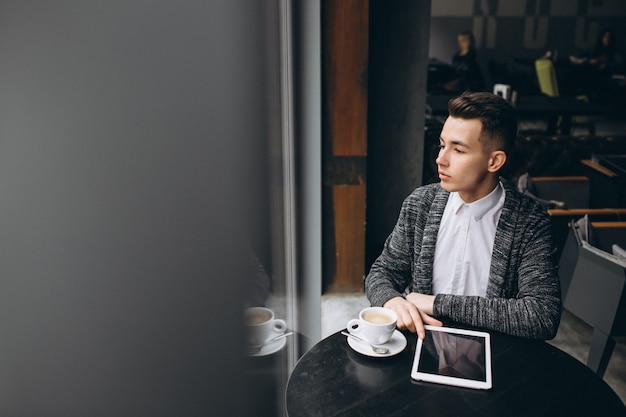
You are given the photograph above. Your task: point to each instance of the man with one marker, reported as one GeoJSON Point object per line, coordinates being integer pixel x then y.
{"type": "Point", "coordinates": [471, 248]}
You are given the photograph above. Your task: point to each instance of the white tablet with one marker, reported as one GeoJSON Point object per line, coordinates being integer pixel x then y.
{"type": "Point", "coordinates": [453, 357]}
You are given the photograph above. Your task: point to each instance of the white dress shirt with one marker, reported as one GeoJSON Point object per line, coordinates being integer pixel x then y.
{"type": "Point", "coordinates": [465, 243]}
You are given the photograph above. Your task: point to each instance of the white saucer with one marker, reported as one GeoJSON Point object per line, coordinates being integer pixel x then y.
{"type": "Point", "coordinates": [271, 347]}
{"type": "Point", "coordinates": [396, 344]}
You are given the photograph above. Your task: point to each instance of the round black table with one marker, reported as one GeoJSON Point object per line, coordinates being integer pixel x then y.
{"type": "Point", "coordinates": [530, 378]}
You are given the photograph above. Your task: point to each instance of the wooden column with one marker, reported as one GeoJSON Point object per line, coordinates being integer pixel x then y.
{"type": "Point", "coordinates": [344, 138]}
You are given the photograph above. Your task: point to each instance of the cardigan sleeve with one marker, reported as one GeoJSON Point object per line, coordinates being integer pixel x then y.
{"type": "Point", "coordinates": [390, 274]}
{"type": "Point", "coordinates": [535, 311]}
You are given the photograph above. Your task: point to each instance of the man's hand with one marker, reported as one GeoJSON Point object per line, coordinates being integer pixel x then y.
{"type": "Point", "coordinates": [409, 315]}
{"type": "Point", "coordinates": [424, 303]}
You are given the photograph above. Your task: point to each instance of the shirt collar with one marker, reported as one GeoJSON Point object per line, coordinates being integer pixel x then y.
{"type": "Point", "coordinates": [479, 207]}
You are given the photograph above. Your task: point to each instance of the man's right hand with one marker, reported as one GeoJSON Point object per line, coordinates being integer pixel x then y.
{"type": "Point", "coordinates": [410, 317]}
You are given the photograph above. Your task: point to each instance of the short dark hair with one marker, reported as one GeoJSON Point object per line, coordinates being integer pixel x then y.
{"type": "Point", "coordinates": [495, 113]}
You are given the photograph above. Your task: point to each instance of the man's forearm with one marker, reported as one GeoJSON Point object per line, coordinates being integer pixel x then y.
{"type": "Point", "coordinates": [379, 288]}
{"type": "Point", "coordinates": [530, 317]}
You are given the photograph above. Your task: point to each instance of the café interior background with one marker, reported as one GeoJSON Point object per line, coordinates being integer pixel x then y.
{"type": "Point", "coordinates": [507, 29]}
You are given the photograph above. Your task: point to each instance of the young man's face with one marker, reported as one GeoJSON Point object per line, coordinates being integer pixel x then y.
{"type": "Point", "coordinates": [463, 42]}
{"type": "Point", "coordinates": [464, 164]}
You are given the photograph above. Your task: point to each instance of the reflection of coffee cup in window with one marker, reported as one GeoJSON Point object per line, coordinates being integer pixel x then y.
{"type": "Point", "coordinates": [261, 325]}
{"type": "Point", "coordinates": [375, 325]}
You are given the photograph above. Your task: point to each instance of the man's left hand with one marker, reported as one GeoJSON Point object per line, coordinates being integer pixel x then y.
{"type": "Point", "coordinates": [423, 302]}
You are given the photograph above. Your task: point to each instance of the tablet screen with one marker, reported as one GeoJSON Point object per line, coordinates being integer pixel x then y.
{"type": "Point", "coordinates": [454, 357]}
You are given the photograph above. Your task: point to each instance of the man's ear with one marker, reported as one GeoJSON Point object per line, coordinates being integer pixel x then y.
{"type": "Point", "coordinates": [496, 161]}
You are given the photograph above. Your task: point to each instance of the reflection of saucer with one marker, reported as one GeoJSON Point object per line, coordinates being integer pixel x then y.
{"type": "Point", "coordinates": [396, 344]}
{"type": "Point", "coordinates": [271, 347]}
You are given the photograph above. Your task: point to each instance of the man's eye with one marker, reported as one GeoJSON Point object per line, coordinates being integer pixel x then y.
{"type": "Point", "coordinates": [457, 150]}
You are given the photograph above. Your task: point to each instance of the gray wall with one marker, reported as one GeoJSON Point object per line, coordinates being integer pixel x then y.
{"type": "Point", "coordinates": [509, 29]}
{"type": "Point", "coordinates": [308, 94]}
{"type": "Point", "coordinates": [124, 127]}
{"type": "Point", "coordinates": [398, 58]}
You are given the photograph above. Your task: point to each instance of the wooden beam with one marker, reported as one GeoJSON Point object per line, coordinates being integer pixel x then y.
{"type": "Point", "coordinates": [344, 82]}
{"type": "Point", "coordinates": [589, 211]}
{"type": "Point", "coordinates": [601, 169]}
{"type": "Point", "coordinates": [345, 70]}
{"type": "Point", "coordinates": [561, 179]}
{"type": "Point", "coordinates": [349, 213]}
{"type": "Point", "coordinates": [608, 225]}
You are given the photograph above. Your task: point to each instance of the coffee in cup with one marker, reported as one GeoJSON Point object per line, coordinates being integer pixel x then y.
{"type": "Point", "coordinates": [376, 317]}
{"type": "Point", "coordinates": [258, 316]}
{"type": "Point", "coordinates": [261, 325]}
{"type": "Point", "coordinates": [375, 324]}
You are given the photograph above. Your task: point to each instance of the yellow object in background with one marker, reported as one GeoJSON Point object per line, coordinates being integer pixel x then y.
{"type": "Point", "coordinates": [547, 77]}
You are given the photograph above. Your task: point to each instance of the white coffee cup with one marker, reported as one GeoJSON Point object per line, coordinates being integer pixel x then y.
{"type": "Point", "coordinates": [261, 325]}
{"type": "Point", "coordinates": [375, 325]}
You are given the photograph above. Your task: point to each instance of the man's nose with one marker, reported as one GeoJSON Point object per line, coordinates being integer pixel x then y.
{"type": "Point", "coordinates": [442, 157]}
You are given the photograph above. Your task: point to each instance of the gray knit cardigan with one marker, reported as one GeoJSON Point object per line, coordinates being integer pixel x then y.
{"type": "Point", "coordinates": [523, 294]}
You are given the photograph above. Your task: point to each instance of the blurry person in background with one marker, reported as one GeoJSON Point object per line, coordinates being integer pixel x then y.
{"type": "Point", "coordinates": [605, 54]}
{"type": "Point", "coordinates": [465, 64]}
{"type": "Point", "coordinates": [607, 61]}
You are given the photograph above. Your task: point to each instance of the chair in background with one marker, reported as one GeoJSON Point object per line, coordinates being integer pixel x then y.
{"type": "Point", "coordinates": [593, 288]}
{"type": "Point", "coordinates": [608, 187]}
{"type": "Point", "coordinates": [562, 192]}
{"type": "Point", "coordinates": [561, 220]}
